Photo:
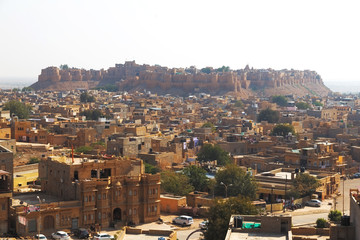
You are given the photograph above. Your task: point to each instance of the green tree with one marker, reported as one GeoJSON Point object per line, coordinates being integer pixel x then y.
{"type": "Point", "coordinates": [197, 177]}
{"type": "Point", "coordinates": [18, 108]}
{"type": "Point", "coordinates": [84, 149]}
{"type": "Point", "coordinates": [318, 104]}
{"type": "Point", "coordinates": [335, 216]}
{"type": "Point", "coordinates": [283, 130]}
{"type": "Point", "coordinates": [64, 67]}
{"type": "Point", "coordinates": [175, 183]}
{"type": "Point", "coordinates": [210, 152]}
{"type": "Point", "coordinates": [237, 182]}
{"type": "Point", "coordinates": [108, 87]}
{"type": "Point", "coordinates": [220, 213]}
{"type": "Point", "coordinates": [239, 104]}
{"type": "Point", "coordinates": [85, 97]}
{"type": "Point", "coordinates": [223, 69]}
{"type": "Point", "coordinates": [302, 105]}
{"type": "Point", "coordinates": [33, 160]}
{"type": "Point", "coordinates": [92, 114]}
{"type": "Point", "coordinates": [206, 70]}
{"type": "Point", "coordinates": [303, 185]}
{"type": "Point", "coordinates": [209, 125]}
{"type": "Point", "coordinates": [98, 143]}
{"type": "Point", "coordinates": [321, 223]}
{"type": "Point", "coordinates": [27, 89]}
{"type": "Point", "coordinates": [149, 168]}
{"type": "Point", "coordinates": [279, 100]}
{"type": "Point", "coordinates": [269, 115]}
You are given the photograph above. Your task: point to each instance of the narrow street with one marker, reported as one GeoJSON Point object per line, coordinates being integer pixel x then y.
{"type": "Point", "coordinates": [309, 215]}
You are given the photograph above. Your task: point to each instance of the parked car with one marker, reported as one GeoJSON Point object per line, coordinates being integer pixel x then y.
{"type": "Point", "coordinates": [61, 235]}
{"type": "Point", "coordinates": [40, 237]}
{"type": "Point", "coordinates": [203, 225]}
{"type": "Point", "coordinates": [81, 233]}
{"type": "Point", "coordinates": [356, 175]}
{"type": "Point", "coordinates": [313, 203]}
{"type": "Point", "coordinates": [183, 220]}
{"type": "Point", "coordinates": [103, 236]}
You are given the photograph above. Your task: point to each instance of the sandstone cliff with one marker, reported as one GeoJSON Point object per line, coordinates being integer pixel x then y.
{"type": "Point", "coordinates": [131, 76]}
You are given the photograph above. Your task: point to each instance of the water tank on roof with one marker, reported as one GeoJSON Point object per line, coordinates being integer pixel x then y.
{"type": "Point", "coordinates": [345, 220]}
{"type": "Point", "coordinates": [238, 222]}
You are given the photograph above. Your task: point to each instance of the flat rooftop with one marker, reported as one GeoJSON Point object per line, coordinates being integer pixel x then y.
{"type": "Point", "coordinates": [257, 236]}
{"type": "Point", "coordinates": [31, 199]}
{"type": "Point", "coordinates": [77, 161]}
{"type": "Point", "coordinates": [278, 175]}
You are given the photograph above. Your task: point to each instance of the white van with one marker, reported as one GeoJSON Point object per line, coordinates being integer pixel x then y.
{"type": "Point", "coordinates": [183, 220]}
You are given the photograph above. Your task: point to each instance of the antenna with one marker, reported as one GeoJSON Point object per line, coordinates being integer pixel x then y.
{"type": "Point", "coordinates": [343, 196]}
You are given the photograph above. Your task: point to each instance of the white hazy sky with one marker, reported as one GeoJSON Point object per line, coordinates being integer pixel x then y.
{"type": "Point", "coordinates": [310, 34]}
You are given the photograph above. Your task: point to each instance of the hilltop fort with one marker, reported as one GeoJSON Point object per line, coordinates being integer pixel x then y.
{"type": "Point", "coordinates": [131, 76]}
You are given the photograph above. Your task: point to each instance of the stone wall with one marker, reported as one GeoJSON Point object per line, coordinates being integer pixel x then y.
{"type": "Point", "coordinates": [131, 75]}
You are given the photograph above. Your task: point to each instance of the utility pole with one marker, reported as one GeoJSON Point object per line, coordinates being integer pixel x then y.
{"type": "Point", "coordinates": [343, 196]}
{"type": "Point", "coordinates": [272, 196]}
{"type": "Point", "coordinates": [285, 192]}
{"type": "Point", "coordinates": [38, 236]}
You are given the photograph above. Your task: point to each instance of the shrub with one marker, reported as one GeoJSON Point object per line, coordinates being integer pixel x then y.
{"type": "Point", "coordinates": [320, 223]}
{"type": "Point", "coordinates": [84, 149]}
{"type": "Point", "coordinates": [335, 216]}
{"type": "Point", "coordinates": [279, 100]}
{"type": "Point", "coordinates": [33, 160]}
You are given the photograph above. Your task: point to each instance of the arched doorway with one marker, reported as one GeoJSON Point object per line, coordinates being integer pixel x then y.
{"type": "Point", "coordinates": [117, 214]}
{"type": "Point", "coordinates": [49, 222]}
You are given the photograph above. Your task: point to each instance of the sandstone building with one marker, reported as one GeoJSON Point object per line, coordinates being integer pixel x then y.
{"type": "Point", "coordinates": [6, 187]}
{"type": "Point", "coordinates": [133, 76]}
{"type": "Point", "coordinates": [88, 192]}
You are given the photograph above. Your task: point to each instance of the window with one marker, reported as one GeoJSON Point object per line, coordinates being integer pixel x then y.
{"type": "Point", "coordinates": [150, 191]}
{"type": "Point", "coordinates": [76, 175]}
{"type": "Point", "coordinates": [134, 211]}
{"type": "Point", "coordinates": [104, 196]}
{"type": "Point", "coordinates": [155, 208]}
{"type": "Point", "coordinates": [86, 199]}
{"type": "Point", "coordinates": [99, 196]}
{"type": "Point", "coordinates": [99, 215]}
{"type": "Point", "coordinates": [32, 225]}
{"type": "Point", "coordinates": [156, 190]}
{"type": "Point", "coordinates": [3, 206]}
{"type": "Point", "coordinates": [93, 198]}
{"type": "Point", "coordinates": [129, 211]}
{"type": "Point", "coordinates": [135, 192]}
{"type": "Point", "coordinates": [85, 218]}
{"type": "Point", "coordinates": [130, 193]}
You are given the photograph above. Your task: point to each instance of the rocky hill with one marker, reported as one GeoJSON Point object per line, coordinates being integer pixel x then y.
{"type": "Point", "coordinates": [131, 76]}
